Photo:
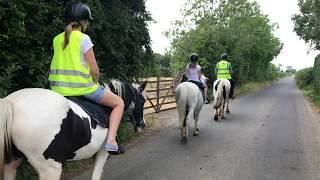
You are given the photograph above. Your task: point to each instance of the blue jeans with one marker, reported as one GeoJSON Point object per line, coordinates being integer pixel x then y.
{"type": "Point", "coordinates": [96, 96]}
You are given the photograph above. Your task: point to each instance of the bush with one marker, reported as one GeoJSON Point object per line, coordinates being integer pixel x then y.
{"type": "Point", "coordinates": [304, 77]}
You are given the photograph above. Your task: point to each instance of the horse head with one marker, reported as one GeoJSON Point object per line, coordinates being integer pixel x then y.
{"type": "Point", "coordinates": [137, 111]}
{"type": "Point", "coordinates": [134, 97]}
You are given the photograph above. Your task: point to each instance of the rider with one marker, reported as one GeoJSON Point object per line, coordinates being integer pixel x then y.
{"type": "Point", "coordinates": [74, 70]}
{"type": "Point", "coordinates": [224, 71]}
{"type": "Point", "coordinates": [193, 73]}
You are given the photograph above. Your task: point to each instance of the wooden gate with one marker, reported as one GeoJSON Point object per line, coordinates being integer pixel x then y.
{"type": "Point", "coordinates": [160, 94]}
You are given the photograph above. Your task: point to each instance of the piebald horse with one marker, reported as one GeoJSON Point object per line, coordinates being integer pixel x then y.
{"type": "Point", "coordinates": [47, 129]}
{"type": "Point", "coordinates": [221, 90]}
{"type": "Point", "coordinates": [189, 100]}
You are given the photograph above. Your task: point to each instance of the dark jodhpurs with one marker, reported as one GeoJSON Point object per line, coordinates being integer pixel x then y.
{"type": "Point", "coordinates": [232, 87]}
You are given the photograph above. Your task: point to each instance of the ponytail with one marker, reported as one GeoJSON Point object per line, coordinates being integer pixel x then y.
{"type": "Point", "coordinates": [67, 33]}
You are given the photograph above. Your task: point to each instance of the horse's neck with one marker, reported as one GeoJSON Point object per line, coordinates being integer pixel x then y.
{"type": "Point", "coordinates": [125, 91]}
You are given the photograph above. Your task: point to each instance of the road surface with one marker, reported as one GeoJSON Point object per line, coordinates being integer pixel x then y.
{"type": "Point", "coordinates": [272, 134]}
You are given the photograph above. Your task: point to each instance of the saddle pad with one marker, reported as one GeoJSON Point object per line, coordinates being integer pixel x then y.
{"type": "Point", "coordinates": [98, 113]}
{"type": "Point", "coordinates": [200, 88]}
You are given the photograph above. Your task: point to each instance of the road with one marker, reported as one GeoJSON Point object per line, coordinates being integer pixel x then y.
{"type": "Point", "coordinates": [272, 134]}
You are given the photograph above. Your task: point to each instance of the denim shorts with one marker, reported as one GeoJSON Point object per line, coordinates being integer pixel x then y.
{"type": "Point", "coordinates": [96, 96]}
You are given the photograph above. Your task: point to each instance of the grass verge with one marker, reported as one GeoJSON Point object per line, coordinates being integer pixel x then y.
{"type": "Point", "coordinates": [312, 97]}
{"type": "Point", "coordinates": [249, 87]}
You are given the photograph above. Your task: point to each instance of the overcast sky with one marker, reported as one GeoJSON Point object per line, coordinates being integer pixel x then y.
{"type": "Point", "coordinates": [294, 52]}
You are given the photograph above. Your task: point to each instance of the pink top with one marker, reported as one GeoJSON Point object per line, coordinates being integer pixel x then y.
{"type": "Point", "coordinates": [193, 72]}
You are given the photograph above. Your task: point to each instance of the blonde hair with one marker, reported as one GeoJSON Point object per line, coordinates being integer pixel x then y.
{"type": "Point", "coordinates": [67, 33]}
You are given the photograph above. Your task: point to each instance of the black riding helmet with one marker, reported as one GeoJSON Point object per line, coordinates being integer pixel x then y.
{"type": "Point", "coordinates": [194, 57]}
{"type": "Point", "coordinates": [78, 11]}
{"type": "Point", "coordinates": [224, 56]}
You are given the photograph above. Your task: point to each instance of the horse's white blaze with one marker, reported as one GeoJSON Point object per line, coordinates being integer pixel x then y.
{"type": "Point", "coordinates": [131, 106]}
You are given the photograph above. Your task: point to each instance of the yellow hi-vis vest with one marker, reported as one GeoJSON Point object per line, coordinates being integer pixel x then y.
{"type": "Point", "coordinates": [223, 69]}
{"type": "Point", "coordinates": [67, 76]}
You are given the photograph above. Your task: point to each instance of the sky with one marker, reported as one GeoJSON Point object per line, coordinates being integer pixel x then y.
{"type": "Point", "coordinates": [295, 52]}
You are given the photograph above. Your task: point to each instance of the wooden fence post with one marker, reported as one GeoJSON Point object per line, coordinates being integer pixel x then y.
{"type": "Point", "coordinates": [158, 94]}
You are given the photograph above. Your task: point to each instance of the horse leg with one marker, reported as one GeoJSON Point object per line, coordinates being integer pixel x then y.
{"type": "Point", "coordinates": [195, 127]}
{"type": "Point", "coordinates": [100, 160]}
{"type": "Point", "coordinates": [215, 114]}
{"type": "Point", "coordinates": [184, 128]}
{"type": "Point", "coordinates": [47, 169]}
{"type": "Point", "coordinates": [222, 111]}
{"type": "Point", "coordinates": [183, 124]}
{"type": "Point", "coordinates": [10, 170]}
{"type": "Point", "coordinates": [227, 107]}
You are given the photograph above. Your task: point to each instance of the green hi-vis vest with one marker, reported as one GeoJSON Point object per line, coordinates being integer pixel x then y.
{"type": "Point", "coordinates": [223, 69]}
{"type": "Point", "coordinates": [67, 76]}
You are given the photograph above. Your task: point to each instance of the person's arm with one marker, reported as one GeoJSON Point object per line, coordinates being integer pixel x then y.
{"type": "Point", "coordinates": [230, 69]}
{"type": "Point", "coordinates": [94, 69]}
{"type": "Point", "coordinates": [199, 72]}
{"type": "Point", "coordinates": [216, 69]}
{"type": "Point", "coordinates": [186, 72]}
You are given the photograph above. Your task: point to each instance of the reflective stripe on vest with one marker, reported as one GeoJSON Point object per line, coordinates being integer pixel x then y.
{"type": "Point", "coordinates": [67, 76]}
{"type": "Point", "coordinates": [71, 84]}
{"type": "Point", "coordinates": [69, 72]}
{"type": "Point", "coordinates": [223, 70]}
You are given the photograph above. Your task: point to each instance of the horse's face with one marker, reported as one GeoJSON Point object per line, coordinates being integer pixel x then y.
{"type": "Point", "coordinates": [137, 116]}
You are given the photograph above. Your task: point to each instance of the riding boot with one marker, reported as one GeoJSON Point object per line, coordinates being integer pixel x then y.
{"type": "Point", "coordinates": [207, 101]}
{"type": "Point", "coordinates": [231, 94]}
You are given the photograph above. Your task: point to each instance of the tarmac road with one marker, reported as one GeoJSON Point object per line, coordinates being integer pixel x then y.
{"type": "Point", "coordinates": [272, 134]}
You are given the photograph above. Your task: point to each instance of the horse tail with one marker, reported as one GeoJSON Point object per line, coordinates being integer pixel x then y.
{"type": "Point", "coordinates": [6, 111]}
{"type": "Point", "coordinates": [219, 95]}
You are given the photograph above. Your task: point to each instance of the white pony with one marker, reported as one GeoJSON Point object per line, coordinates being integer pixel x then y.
{"type": "Point", "coordinates": [189, 102]}
{"type": "Point", "coordinates": [47, 129]}
{"type": "Point", "coordinates": [221, 90]}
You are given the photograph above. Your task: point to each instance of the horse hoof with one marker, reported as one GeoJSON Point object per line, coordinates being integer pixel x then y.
{"type": "Point", "coordinates": [216, 118]}
{"type": "Point", "coordinates": [228, 112]}
{"type": "Point", "coordinates": [196, 133]}
{"type": "Point", "coordinates": [223, 117]}
{"type": "Point", "coordinates": [184, 140]}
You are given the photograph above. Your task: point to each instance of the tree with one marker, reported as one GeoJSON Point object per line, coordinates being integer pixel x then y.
{"type": "Point", "coordinates": [119, 33]}
{"type": "Point", "coordinates": [237, 27]}
{"type": "Point", "coordinates": [307, 22]}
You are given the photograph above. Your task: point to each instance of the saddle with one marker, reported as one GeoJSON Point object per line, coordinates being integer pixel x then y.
{"type": "Point", "coordinates": [99, 114]}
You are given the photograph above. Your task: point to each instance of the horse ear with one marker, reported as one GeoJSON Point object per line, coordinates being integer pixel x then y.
{"type": "Point", "coordinates": [143, 86]}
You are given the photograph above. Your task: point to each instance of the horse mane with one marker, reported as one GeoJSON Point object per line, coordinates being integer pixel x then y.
{"type": "Point", "coordinates": [137, 86]}
{"type": "Point", "coordinates": [118, 86]}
